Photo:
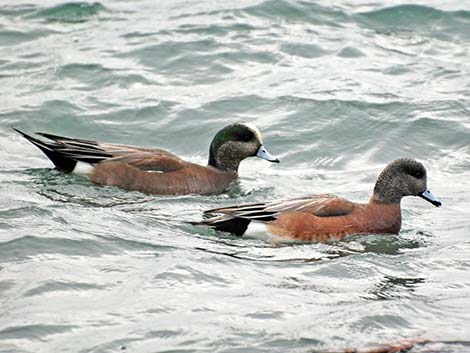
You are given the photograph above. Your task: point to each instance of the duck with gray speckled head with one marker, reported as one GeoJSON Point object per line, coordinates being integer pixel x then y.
{"type": "Point", "coordinates": [155, 171]}
{"type": "Point", "coordinates": [326, 217]}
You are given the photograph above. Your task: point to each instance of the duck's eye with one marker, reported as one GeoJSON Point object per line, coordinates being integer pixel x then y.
{"type": "Point", "coordinates": [418, 174]}
{"type": "Point", "coordinates": [246, 137]}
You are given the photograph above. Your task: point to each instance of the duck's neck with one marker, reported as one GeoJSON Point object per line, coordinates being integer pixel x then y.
{"type": "Point", "coordinates": [385, 190]}
{"type": "Point", "coordinates": [385, 198]}
{"type": "Point", "coordinates": [225, 164]}
{"type": "Point", "coordinates": [386, 216]}
{"type": "Point", "coordinates": [225, 159]}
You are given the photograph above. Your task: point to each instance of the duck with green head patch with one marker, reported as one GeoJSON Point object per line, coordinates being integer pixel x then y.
{"type": "Point", "coordinates": [155, 171]}
{"type": "Point", "coordinates": [233, 144]}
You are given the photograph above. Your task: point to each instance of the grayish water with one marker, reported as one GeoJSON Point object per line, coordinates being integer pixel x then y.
{"type": "Point", "coordinates": [338, 89]}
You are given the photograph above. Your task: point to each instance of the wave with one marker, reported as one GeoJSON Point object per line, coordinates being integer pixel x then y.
{"type": "Point", "coordinates": [297, 11]}
{"type": "Point", "coordinates": [72, 12]}
{"type": "Point", "coordinates": [413, 16]}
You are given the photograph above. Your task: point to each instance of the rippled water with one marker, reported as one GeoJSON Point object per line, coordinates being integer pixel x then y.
{"type": "Point", "coordinates": [338, 88]}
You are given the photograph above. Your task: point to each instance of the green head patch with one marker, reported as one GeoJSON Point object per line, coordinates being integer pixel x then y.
{"type": "Point", "coordinates": [236, 132]}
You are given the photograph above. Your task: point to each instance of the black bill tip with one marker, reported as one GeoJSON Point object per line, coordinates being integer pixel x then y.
{"type": "Point", "coordinates": [429, 197]}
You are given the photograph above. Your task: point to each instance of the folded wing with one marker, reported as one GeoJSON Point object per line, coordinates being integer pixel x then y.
{"type": "Point", "coordinates": [322, 205]}
{"type": "Point", "coordinates": [65, 152]}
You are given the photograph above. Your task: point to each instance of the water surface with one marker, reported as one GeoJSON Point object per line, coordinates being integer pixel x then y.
{"type": "Point", "coordinates": [338, 89]}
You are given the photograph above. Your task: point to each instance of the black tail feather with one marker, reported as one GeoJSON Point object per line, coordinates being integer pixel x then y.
{"type": "Point", "coordinates": [60, 161]}
{"type": "Point", "coordinates": [236, 226]}
{"type": "Point", "coordinates": [62, 138]}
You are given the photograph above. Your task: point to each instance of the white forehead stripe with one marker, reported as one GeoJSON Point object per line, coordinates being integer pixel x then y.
{"type": "Point", "coordinates": [255, 131]}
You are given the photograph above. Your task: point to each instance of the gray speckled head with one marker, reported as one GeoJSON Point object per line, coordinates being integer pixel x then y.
{"type": "Point", "coordinates": [402, 177]}
{"type": "Point", "coordinates": [233, 144]}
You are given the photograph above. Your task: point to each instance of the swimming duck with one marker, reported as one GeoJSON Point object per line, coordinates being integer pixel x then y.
{"type": "Point", "coordinates": [327, 217]}
{"type": "Point", "coordinates": [155, 171]}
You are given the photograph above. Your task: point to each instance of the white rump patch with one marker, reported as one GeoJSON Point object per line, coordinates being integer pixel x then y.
{"type": "Point", "coordinates": [258, 230]}
{"type": "Point", "coordinates": [83, 169]}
